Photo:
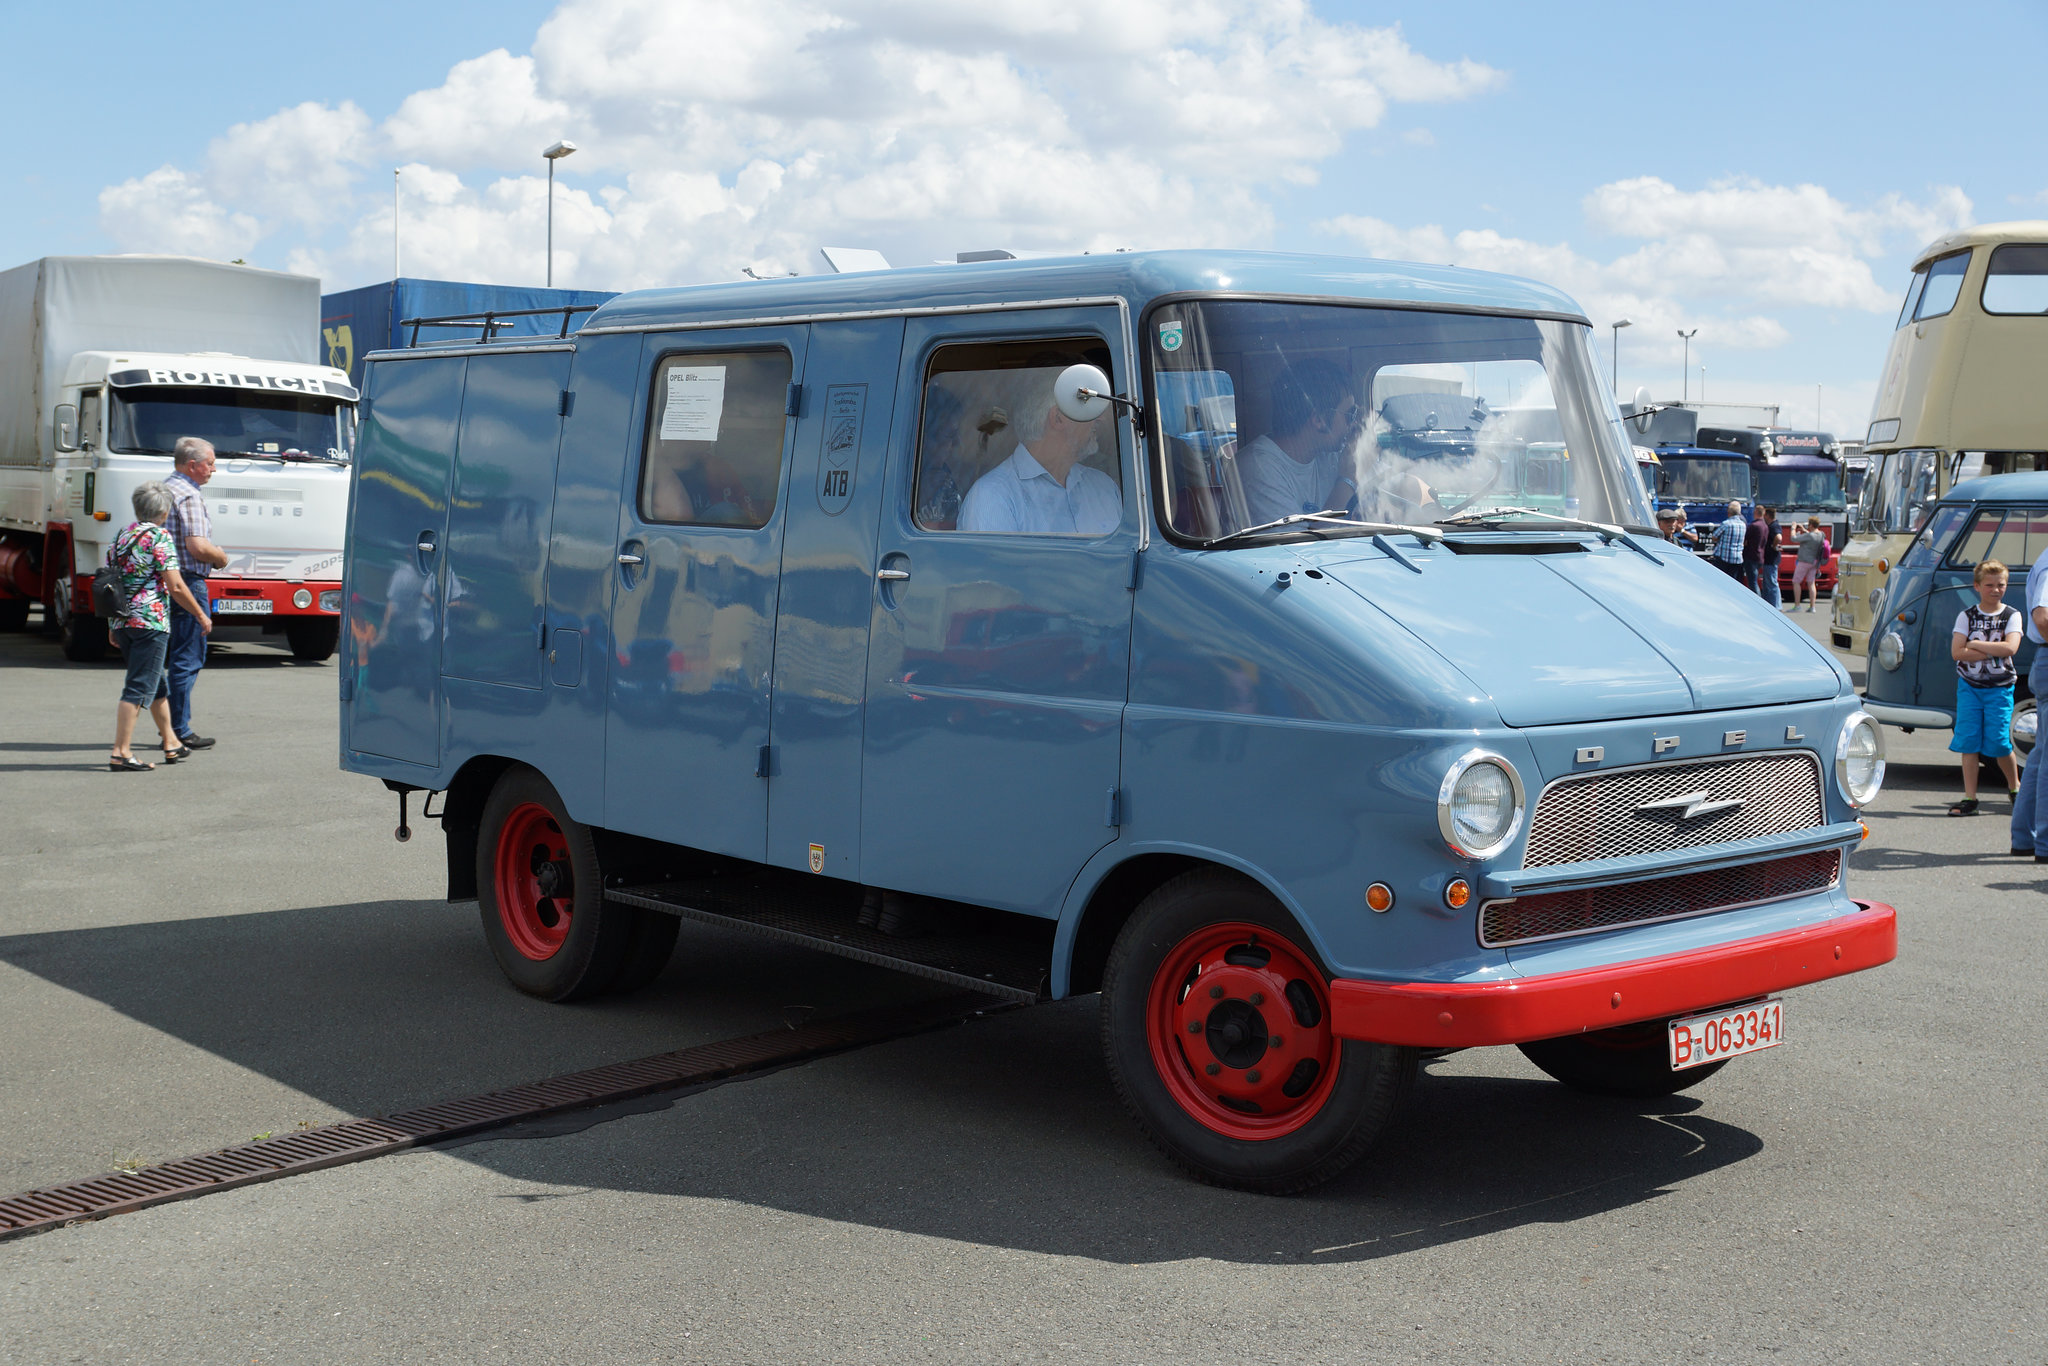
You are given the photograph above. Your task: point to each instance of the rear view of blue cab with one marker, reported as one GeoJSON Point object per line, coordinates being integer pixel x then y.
{"type": "Point", "coordinates": [1271, 644]}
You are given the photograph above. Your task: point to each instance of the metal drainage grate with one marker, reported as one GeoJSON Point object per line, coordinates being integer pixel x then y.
{"type": "Point", "coordinates": [356, 1139]}
{"type": "Point", "coordinates": [1553, 915]}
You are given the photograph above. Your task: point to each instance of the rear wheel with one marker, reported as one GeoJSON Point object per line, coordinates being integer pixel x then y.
{"type": "Point", "coordinates": [540, 894]}
{"type": "Point", "coordinates": [81, 635]}
{"type": "Point", "coordinates": [1632, 1060]}
{"type": "Point", "coordinates": [1216, 1027]}
{"type": "Point", "coordinates": [313, 638]}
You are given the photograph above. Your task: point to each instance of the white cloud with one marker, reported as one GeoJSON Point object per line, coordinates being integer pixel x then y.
{"type": "Point", "coordinates": [719, 135]}
{"type": "Point", "coordinates": [169, 211]}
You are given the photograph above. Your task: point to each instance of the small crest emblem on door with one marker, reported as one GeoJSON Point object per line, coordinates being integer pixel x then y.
{"type": "Point", "coordinates": [1169, 336]}
{"type": "Point", "coordinates": [817, 858]}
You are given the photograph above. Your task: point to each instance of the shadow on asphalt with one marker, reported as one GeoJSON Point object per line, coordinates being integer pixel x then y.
{"type": "Point", "coordinates": [1003, 1132]}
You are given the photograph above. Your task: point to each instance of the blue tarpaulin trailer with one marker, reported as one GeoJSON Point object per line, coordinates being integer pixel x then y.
{"type": "Point", "coordinates": [355, 322]}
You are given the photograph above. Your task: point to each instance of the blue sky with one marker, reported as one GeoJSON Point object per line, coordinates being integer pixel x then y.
{"type": "Point", "coordinates": [1762, 173]}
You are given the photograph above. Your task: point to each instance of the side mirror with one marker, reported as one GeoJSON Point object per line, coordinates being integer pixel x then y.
{"type": "Point", "coordinates": [1082, 392]}
{"type": "Point", "coordinates": [1644, 411]}
{"type": "Point", "coordinates": [64, 428]}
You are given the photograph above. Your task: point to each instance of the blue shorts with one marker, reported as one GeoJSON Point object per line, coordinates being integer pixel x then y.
{"type": "Point", "coordinates": [1983, 720]}
{"type": "Point", "coordinates": [144, 653]}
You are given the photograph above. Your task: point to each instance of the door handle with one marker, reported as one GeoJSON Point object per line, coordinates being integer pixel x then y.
{"type": "Point", "coordinates": [425, 546]}
{"type": "Point", "coordinates": [892, 575]}
{"type": "Point", "coordinates": [630, 560]}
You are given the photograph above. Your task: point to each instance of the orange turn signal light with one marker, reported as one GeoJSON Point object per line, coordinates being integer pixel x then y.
{"type": "Point", "coordinates": [1866, 828]}
{"type": "Point", "coordinates": [1456, 893]}
{"type": "Point", "coordinates": [101, 516]}
{"type": "Point", "coordinates": [1380, 897]}
{"type": "Point", "coordinates": [1884, 566]}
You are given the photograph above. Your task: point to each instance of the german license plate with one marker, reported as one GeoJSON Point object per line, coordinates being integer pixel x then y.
{"type": "Point", "coordinates": [252, 606]}
{"type": "Point", "coordinates": [1698, 1040]}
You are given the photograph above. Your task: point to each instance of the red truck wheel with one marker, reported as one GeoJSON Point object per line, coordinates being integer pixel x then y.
{"type": "Point", "coordinates": [540, 894]}
{"type": "Point", "coordinates": [1216, 1028]}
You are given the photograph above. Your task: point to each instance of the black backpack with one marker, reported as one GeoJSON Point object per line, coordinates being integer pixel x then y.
{"type": "Point", "coordinates": [109, 598]}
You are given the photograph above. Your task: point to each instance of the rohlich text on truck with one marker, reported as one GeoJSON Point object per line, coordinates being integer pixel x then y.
{"type": "Point", "coordinates": [105, 362]}
{"type": "Point", "coordinates": [1196, 628]}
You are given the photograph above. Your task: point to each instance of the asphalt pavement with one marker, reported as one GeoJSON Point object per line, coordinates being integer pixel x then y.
{"type": "Point", "coordinates": [236, 946]}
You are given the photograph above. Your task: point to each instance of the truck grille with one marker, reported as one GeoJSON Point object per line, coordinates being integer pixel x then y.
{"type": "Point", "coordinates": [1596, 815]}
{"type": "Point", "coordinates": [1554, 915]}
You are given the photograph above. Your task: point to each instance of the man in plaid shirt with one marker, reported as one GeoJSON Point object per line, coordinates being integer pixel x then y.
{"type": "Point", "coordinates": [1728, 549]}
{"type": "Point", "coordinates": [192, 532]}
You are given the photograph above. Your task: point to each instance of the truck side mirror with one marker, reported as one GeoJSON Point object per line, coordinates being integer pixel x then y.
{"type": "Point", "coordinates": [64, 427]}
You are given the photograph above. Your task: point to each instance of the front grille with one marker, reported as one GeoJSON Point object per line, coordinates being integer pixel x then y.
{"type": "Point", "coordinates": [1593, 815]}
{"type": "Point", "coordinates": [1553, 915]}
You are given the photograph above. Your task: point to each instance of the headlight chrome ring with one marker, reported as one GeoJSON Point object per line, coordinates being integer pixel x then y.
{"type": "Point", "coordinates": [1483, 844]}
{"type": "Point", "coordinates": [1891, 650]}
{"type": "Point", "coordinates": [1859, 759]}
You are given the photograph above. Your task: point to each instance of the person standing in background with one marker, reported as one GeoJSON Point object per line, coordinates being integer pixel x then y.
{"type": "Point", "coordinates": [1813, 553]}
{"type": "Point", "coordinates": [1769, 561]}
{"type": "Point", "coordinates": [1729, 544]}
{"type": "Point", "coordinates": [148, 566]}
{"type": "Point", "coordinates": [191, 532]}
{"type": "Point", "coordinates": [1986, 637]}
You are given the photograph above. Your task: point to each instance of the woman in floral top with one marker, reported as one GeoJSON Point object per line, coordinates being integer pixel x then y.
{"type": "Point", "coordinates": [147, 563]}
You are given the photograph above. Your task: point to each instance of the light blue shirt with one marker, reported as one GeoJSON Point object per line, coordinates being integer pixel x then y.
{"type": "Point", "coordinates": [1019, 495]}
{"type": "Point", "coordinates": [2037, 595]}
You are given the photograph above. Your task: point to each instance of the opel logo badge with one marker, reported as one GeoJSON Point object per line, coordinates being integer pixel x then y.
{"type": "Point", "coordinates": [1692, 806]}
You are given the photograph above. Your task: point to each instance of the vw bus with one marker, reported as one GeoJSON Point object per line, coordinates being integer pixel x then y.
{"type": "Point", "coordinates": [1090, 624]}
{"type": "Point", "coordinates": [1960, 396]}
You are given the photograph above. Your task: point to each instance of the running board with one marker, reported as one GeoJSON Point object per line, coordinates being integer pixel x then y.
{"type": "Point", "coordinates": [1006, 957]}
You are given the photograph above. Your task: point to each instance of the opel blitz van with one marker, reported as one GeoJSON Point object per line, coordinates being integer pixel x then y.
{"type": "Point", "coordinates": [1102, 624]}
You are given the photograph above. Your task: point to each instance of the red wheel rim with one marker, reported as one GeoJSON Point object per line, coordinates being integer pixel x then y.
{"type": "Point", "coordinates": [534, 881]}
{"type": "Point", "coordinates": [1238, 1018]}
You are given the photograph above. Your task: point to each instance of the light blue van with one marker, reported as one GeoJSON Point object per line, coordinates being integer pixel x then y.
{"type": "Point", "coordinates": [1162, 624]}
{"type": "Point", "coordinates": [1910, 681]}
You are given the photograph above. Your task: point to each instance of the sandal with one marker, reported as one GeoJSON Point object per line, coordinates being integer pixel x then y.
{"type": "Point", "coordinates": [171, 756]}
{"type": "Point", "coordinates": [122, 763]}
{"type": "Point", "coordinates": [1966, 807]}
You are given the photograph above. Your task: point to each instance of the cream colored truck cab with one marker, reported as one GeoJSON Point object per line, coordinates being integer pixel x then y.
{"type": "Point", "coordinates": [1961, 394]}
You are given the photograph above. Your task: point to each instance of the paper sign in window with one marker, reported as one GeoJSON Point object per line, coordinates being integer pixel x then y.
{"type": "Point", "coordinates": [695, 403]}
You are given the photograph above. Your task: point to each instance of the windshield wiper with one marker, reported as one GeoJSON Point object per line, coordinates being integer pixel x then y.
{"type": "Point", "coordinates": [1607, 531]}
{"type": "Point", "coordinates": [1330, 517]}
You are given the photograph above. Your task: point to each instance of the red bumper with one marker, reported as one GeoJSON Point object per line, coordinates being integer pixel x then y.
{"type": "Point", "coordinates": [276, 592]}
{"type": "Point", "coordinates": [1472, 1014]}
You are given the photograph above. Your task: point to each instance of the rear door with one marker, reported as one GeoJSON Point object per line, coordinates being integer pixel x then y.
{"type": "Point", "coordinates": [698, 560]}
{"type": "Point", "coordinates": [394, 589]}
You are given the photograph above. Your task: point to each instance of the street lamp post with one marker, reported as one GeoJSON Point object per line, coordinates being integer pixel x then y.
{"type": "Point", "coordinates": [554, 154]}
{"type": "Point", "coordinates": [1617, 325]}
{"type": "Point", "coordinates": [1685, 366]}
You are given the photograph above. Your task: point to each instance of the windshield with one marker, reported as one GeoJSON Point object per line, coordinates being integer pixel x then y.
{"type": "Point", "coordinates": [1897, 491]}
{"type": "Point", "coordinates": [149, 421]}
{"type": "Point", "coordinates": [1702, 479]}
{"type": "Point", "coordinates": [1270, 410]}
{"type": "Point", "coordinates": [1926, 547]}
{"type": "Point", "coordinates": [1816, 489]}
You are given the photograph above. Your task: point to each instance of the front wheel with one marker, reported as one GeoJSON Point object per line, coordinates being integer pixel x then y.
{"type": "Point", "coordinates": [313, 638]}
{"type": "Point", "coordinates": [1629, 1060]}
{"type": "Point", "coordinates": [80, 635]}
{"type": "Point", "coordinates": [540, 894]}
{"type": "Point", "coordinates": [2026, 725]}
{"type": "Point", "coordinates": [1216, 1029]}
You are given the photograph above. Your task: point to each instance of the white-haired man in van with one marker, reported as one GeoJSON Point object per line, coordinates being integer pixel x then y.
{"type": "Point", "coordinates": [1043, 487]}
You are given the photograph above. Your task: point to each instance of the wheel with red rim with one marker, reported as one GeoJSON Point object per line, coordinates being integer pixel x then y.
{"type": "Point", "coordinates": [1628, 1060]}
{"type": "Point", "coordinates": [540, 894]}
{"type": "Point", "coordinates": [1216, 1028]}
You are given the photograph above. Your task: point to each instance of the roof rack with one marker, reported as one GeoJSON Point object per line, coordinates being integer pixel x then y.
{"type": "Point", "coordinates": [490, 324]}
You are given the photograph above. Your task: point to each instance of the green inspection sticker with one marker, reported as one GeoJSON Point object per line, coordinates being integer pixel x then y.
{"type": "Point", "coordinates": [1169, 336]}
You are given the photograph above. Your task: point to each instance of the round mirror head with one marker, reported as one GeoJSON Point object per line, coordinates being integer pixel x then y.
{"type": "Point", "coordinates": [1077, 405]}
{"type": "Point", "coordinates": [1641, 403]}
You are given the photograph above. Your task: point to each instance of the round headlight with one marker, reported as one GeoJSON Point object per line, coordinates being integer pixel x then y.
{"type": "Point", "coordinates": [1890, 650]}
{"type": "Point", "coordinates": [1479, 806]}
{"type": "Point", "coordinates": [302, 599]}
{"type": "Point", "coordinates": [1859, 759]}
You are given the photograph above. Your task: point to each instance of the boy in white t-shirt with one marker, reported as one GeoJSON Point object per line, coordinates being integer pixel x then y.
{"type": "Point", "coordinates": [1986, 637]}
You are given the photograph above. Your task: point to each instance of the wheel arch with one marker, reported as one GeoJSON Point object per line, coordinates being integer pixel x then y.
{"type": "Point", "coordinates": [1110, 890]}
{"type": "Point", "coordinates": [462, 814]}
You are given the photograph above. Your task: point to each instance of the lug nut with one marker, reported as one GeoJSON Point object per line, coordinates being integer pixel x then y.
{"type": "Point", "coordinates": [1273, 1042]}
{"type": "Point", "coordinates": [1212, 1069]}
{"type": "Point", "coordinates": [1252, 1076]}
{"type": "Point", "coordinates": [1215, 993]}
{"type": "Point", "coordinates": [1258, 998]}
{"type": "Point", "coordinates": [1194, 1026]}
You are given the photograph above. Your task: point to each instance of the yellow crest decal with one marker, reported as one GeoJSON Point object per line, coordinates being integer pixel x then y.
{"type": "Point", "coordinates": [817, 858]}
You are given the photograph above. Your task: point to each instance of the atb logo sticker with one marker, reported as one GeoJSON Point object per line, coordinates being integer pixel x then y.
{"type": "Point", "coordinates": [1169, 336]}
{"type": "Point", "coordinates": [817, 858]}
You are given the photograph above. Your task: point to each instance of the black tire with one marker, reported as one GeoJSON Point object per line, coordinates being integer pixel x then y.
{"type": "Point", "coordinates": [1357, 1101]}
{"type": "Point", "coordinates": [1632, 1060]}
{"type": "Point", "coordinates": [83, 638]}
{"type": "Point", "coordinates": [14, 614]}
{"type": "Point", "coordinates": [588, 959]}
{"type": "Point", "coordinates": [313, 638]}
{"type": "Point", "coordinates": [2023, 729]}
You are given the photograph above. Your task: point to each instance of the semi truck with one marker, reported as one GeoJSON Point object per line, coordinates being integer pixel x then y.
{"type": "Point", "coordinates": [105, 362]}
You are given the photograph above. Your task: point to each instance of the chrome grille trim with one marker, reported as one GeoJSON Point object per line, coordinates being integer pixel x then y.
{"type": "Point", "coordinates": [1584, 816]}
{"type": "Point", "coordinates": [1629, 905]}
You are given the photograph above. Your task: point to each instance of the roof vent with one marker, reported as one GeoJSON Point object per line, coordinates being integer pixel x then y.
{"type": "Point", "coordinates": [845, 260]}
{"type": "Point", "coordinates": [992, 254]}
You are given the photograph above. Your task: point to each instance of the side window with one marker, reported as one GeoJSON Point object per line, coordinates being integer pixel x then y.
{"type": "Point", "coordinates": [1913, 289]}
{"type": "Point", "coordinates": [715, 428]}
{"type": "Point", "coordinates": [1944, 285]}
{"type": "Point", "coordinates": [1978, 542]}
{"type": "Point", "coordinates": [2017, 281]}
{"type": "Point", "coordinates": [995, 455]}
{"type": "Point", "coordinates": [1928, 543]}
{"type": "Point", "coordinates": [89, 419]}
{"type": "Point", "coordinates": [2019, 554]}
